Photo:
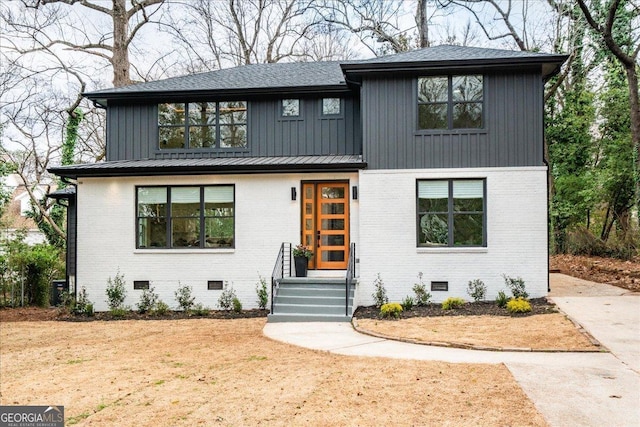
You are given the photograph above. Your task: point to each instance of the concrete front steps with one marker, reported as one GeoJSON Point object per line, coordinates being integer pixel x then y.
{"type": "Point", "coordinates": [311, 299]}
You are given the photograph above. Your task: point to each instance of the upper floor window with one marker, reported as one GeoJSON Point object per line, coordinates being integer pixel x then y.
{"type": "Point", "coordinates": [331, 106]}
{"type": "Point", "coordinates": [451, 212]}
{"type": "Point", "coordinates": [203, 125]}
{"type": "Point", "coordinates": [290, 108]}
{"type": "Point", "coordinates": [450, 102]}
{"type": "Point", "coordinates": [185, 217]}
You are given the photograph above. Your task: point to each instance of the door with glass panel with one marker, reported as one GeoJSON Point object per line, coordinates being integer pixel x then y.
{"type": "Point", "coordinates": [325, 224]}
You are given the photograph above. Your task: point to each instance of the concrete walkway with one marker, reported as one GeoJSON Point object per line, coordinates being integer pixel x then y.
{"type": "Point", "coordinates": [569, 389]}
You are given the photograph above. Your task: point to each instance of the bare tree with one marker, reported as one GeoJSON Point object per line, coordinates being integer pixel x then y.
{"type": "Point", "coordinates": [374, 22]}
{"type": "Point", "coordinates": [231, 33]}
{"type": "Point", "coordinates": [113, 46]}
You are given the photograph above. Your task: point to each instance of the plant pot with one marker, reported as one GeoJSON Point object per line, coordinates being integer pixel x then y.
{"type": "Point", "coordinates": [301, 265]}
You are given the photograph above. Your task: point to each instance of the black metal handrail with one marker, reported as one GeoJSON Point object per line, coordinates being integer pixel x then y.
{"type": "Point", "coordinates": [351, 272]}
{"type": "Point", "coordinates": [281, 269]}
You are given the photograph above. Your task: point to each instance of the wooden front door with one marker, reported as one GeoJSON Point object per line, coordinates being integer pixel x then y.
{"type": "Point", "coordinates": [325, 223]}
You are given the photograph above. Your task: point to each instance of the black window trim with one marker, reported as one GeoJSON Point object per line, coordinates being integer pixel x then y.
{"type": "Point", "coordinates": [332, 116]}
{"type": "Point", "coordinates": [186, 126]}
{"type": "Point", "coordinates": [291, 118]}
{"type": "Point", "coordinates": [450, 214]}
{"type": "Point", "coordinates": [169, 217]}
{"type": "Point", "coordinates": [450, 129]}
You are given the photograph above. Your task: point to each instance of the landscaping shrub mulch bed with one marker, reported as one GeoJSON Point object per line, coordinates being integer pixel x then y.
{"type": "Point", "coordinates": [538, 306]}
{"type": "Point", "coordinates": [23, 314]}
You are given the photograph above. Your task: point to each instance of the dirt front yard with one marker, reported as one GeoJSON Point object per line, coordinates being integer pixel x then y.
{"type": "Point", "coordinates": [541, 332]}
{"type": "Point", "coordinates": [225, 372]}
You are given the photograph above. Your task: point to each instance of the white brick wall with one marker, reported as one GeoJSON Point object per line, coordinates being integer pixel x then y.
{"type": "Point", "coordinates": [516, 234]}
{"type": "Point", "coordinates": [265, 217]}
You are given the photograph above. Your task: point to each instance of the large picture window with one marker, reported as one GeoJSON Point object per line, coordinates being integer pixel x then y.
{"type": "Point", "coordinates": [450, 102]}
{"type": "Point", "coordinates": [451, 213]}
{"type": "Point", "coordinates": [185, 217]}
{"type": "Point", "coordinates": [202, 125]}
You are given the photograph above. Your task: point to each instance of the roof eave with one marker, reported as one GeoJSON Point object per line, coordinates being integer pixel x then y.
{"type": "Point", "coordinates": [206, 170]}
{"type": "Point", "coordinates": [103, 97]}
{"type": "Point", "coordinates": [465, 64]}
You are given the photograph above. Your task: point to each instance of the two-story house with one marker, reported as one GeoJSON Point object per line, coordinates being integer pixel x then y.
{"type": "Point", "coordinates": [429, 162]}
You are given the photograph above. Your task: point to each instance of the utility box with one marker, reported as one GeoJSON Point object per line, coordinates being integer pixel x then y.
{"type": "Point", "coordinates": [57, 288]}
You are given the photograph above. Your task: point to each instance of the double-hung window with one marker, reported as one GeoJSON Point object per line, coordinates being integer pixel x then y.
{"type": "Point", "coordinates": [450, 102]}
{"type": "Point", "coordinates": [197, 125]}
{"type": "Point", "coordinates": [451, 212]}
{"type": "Point", "coordinates": [186, 217]}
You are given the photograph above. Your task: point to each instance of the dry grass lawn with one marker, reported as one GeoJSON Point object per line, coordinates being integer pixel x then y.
{"type": "Point", "coordinates": [225, 372]}
{"type": "Point", "coordinates": [538, 332]}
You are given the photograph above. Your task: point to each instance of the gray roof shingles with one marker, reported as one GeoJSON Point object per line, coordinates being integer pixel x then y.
{"type": "Point", "coordinates": [318, 75]}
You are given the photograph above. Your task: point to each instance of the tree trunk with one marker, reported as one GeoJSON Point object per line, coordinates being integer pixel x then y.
{"type": "Point", "coordinates": [120, 54]}
{"type": "Point", "coordinates": [422, 24]}
{"type": "Point", "coordinates": [634, 103]}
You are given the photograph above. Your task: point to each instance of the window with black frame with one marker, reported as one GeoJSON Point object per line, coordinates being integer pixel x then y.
{"type": "Point", "coordinates": [186, 217]}
{"type": "Point", "coordinates": [451, 213]}
{"type": "Point", "coordinates": [450, 102]}
{"type": "Point", "coordinates": [202, 125]}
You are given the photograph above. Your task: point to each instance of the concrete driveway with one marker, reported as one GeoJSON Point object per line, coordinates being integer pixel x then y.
{"type": "Point", "coordinates": [569, 389]}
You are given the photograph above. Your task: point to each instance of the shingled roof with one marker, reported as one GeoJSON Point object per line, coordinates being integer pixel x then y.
{"type": "Point", "coordinates": [325, 77]}
{"type": "Point", "coordinates": [254, 78]}
{"type": "Point", "coordinates": [447, 56]}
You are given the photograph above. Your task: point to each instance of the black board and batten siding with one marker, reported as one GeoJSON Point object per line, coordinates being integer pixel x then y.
{"type": "Point", "coordinates": [512, 135]}
{"type": "Point", "coordinates": [132, 132]}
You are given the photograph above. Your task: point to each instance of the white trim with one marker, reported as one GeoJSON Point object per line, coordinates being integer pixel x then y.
{"type": "Point", "coordinates": [423, 250]}
{"type": "Point", "coordinates": [453, 172]}
{"type": "Point", "coordinates": [184, 251]}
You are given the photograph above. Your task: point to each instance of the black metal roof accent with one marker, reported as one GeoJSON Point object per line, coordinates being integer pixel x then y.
{"type": "Point", "coordinates": [63, 193]}
{"type": "Point", "coordinates": [224, 165]}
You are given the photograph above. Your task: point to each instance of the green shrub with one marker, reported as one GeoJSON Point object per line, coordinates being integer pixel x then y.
{"type": "Point", "coordinates": [390, 310]}
{"type": "Point", "coordinates": [408, 303]}
{"type": "Point", "coordinates": [380, 295]}
{"type": "Point", "coordinates": [452, 303]}
{"type": "Point", "coordinates": [116, 292]}
{"type": "Point", "coordinates": [477, 290]}
{"type": "Point", "coordinates": [518, 305]}
{"type": "Point", "coordinates": [225, 302]}
{"type": "Point", "coordinates": [502, 299]}
{"type": "Point", "coordinates": [184, 298]}
{"type": "Point", "coordinates": [237, 305]}
{"type": "Point", "coordinates": [119, 312]}
{"type": "Point", "coordinates": [148, 301]}
{"type": "Point", "coordinates": [200, 310]}
{"type": "Point", "coordinates": [262, 292]}
{"type": "Point", "coordinates": [516, 286]}
{"type": "Point", "coordinates": [161, 308]}
{"type": "Point", "coordinates": [423, 297]}
{"type": "Point", "coordinates": [82, 306]}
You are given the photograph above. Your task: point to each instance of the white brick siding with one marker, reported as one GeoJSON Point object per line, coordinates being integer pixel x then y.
{"type": "Point", "coordinates": [516, 234]}
{"type": "Point", "coordinates": [265, 217]}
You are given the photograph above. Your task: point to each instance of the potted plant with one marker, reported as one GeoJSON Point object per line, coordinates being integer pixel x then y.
{"type": "Point", "coordinates": [301, 256]}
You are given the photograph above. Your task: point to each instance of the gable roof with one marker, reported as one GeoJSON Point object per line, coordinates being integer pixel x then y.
{"type": "Point", "coordinates": [326, 77]}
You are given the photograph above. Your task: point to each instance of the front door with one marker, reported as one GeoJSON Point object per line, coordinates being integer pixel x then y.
{"type": "Point", "coordinates": [325, 224]}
